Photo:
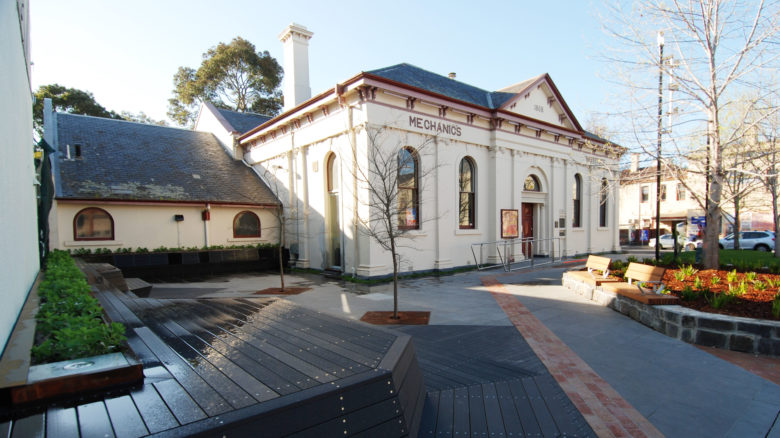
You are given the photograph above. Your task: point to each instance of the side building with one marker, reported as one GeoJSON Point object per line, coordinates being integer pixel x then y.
{"type": "Point", "coordinates": [121, 184]}
{"type": "Point", "coordinates": [19, 259]}
{"type": "Point", "coordinates": [482, 167]}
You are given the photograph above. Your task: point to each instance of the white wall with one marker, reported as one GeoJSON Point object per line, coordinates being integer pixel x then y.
{"type": "Point", "coordinates": [18, 234]}
{"type": "Point", "coordinates": [153, 226]}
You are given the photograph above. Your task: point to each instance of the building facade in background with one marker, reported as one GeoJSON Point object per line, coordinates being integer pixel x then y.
{"type": "Point", "coordinates": [478, 167]}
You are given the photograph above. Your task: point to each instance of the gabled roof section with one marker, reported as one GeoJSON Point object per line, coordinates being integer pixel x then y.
{"type": "Point", "coordinates": [540, 99]}
{"type": "Point", "coordinates": [417, 77]}
{"type": "Point", "coordinates": [122, 160]}
{"type": "Point", "coordinates": [243, 122]}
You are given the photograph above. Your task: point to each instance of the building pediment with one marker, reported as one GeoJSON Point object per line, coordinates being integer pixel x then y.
{"type": "Point", "coordinates": [538, 98]}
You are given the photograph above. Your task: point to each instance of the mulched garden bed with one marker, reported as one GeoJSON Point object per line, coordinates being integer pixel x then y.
{"type": "Point", "coordinates": [286, 291]}
{"type": "Point", "coordinates": [753, 303]}
{"type": "Point", "coordinates": [404, 317]}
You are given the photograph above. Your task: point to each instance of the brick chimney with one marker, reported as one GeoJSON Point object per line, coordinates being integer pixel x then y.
{"type": "Point", "coordinates": [295, 39]}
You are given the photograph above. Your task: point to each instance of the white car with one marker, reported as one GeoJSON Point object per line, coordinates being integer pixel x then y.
{"type": "Point", "coordinates": [757, 240]}
{"type": "Point", "coordinates": [666, 241]}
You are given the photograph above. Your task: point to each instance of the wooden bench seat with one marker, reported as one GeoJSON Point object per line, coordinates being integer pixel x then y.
{"type": "Point", "coordinates": [645, 284]}
{"type": "Point", "coordinates": [596, 273]}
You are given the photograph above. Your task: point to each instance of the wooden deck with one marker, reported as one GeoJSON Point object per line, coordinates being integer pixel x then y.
{"type": "Point", "coordinates": [486, 381]}
{"type": "Point", "coordinates": [234, 366]}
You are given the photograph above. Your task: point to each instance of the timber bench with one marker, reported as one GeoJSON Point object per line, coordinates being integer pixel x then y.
{"type": "Point", "coordinates": [644, 284]}
{"type": "Point", "coordinates": [597, 271]}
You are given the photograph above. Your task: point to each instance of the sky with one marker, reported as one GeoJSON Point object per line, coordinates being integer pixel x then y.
{"type": "Point", "coordinates": [126, 52]}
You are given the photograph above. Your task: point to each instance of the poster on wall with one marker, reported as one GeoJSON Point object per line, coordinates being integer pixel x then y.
{"type": "Point", "coordinates": [509, 224]}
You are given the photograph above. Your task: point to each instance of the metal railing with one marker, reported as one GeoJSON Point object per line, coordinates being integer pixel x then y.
{"type": "Point", "coordinates": [514, 254]}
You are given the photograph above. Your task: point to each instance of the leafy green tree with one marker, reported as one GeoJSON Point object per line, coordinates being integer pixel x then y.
{"type": "Point", "coordinates": [232, 76]}
{"type": "Point", "coordinates": [69, 100]}
{"type": "Point", "coordinates": [142, 118]}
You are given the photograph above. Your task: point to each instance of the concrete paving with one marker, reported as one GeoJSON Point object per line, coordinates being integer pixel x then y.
{"type": "Point", "coordinates": [682, 390]}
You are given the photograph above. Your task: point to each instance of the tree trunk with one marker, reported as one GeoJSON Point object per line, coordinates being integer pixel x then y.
{"type": "Point", "coordinates": [712, 231]}
{"type": "Point", "coordinates": [395, 277]}
{"type": "Point", "coordinates": [737, 225]}
{"type": "Point", "coordinates": [281, 266]}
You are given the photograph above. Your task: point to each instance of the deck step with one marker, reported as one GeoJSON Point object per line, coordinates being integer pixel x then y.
{"type": "Point", "coordinates": [138, 287]}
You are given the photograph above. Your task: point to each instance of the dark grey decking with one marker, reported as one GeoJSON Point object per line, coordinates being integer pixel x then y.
{"type": "Point", "coordinates": [486, 381]}
{"type": "Point", "coordinates": [264, 367]}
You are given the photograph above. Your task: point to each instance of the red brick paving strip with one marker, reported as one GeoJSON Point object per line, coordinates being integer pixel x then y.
{"type": "Point", "coordinates": [603, 408]}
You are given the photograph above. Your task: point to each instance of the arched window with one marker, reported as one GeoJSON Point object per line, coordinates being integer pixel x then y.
{"type": "Point", "coordinates": [603, 203]}
{"type": "Point", "coordinates": [576, 195]}
{"type": "Point", "coordinates": [467, 196]}
{"type": "Point", "coordinates": [408, 190]}
{"type": "Point", "coordinates": [246, 224]}
{"type": "Point", "coordinates": [532, 184]}
{"type": "Point", "coordinates": [93, 224]}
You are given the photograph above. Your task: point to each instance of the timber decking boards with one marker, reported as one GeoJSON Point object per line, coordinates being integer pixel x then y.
{"type": "Point", "coordinates": [487, 381]}
{"type": "Point", "coordinates": [207, 360]}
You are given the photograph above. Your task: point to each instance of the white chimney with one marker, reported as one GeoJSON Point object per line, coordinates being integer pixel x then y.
{"type": "Point", "coordinates": [634, 162]}
{"type": "Point", "coordinates": [295, 39]}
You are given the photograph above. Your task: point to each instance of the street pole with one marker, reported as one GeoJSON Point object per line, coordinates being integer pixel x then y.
{"type": "Point", "coordinates": [658, 152]}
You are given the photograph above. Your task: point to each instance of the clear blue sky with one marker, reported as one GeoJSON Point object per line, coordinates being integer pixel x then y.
{"type": "Point", "coordinates": [126, 52]}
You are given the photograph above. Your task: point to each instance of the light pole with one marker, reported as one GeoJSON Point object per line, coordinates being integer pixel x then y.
{"type": "Point", "coordinates": [658, 151]}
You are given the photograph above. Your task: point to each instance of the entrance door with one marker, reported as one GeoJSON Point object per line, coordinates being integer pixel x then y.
{"type": "Point", "coordinates": [528, 228]}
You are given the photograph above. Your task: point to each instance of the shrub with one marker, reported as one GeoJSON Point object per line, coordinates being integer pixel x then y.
{"type": "Point", "coordinates": [689, 294]}
{"type": "Point", "coordinates": [69, 323]}
{"type": "Point", "coordinates": [719, 300]}
{"type": "Point", "coordinates": [776, 306]}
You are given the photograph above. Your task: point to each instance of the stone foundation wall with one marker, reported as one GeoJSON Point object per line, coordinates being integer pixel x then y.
{"type": "Point", "coordinates": [747, 335]}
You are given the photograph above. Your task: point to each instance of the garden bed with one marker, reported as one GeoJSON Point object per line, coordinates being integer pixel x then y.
{"type": "Point", "coordinates": [750, 294]}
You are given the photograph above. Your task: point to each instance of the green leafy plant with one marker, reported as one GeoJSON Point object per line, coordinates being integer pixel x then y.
{"type": "Point", "coordinates": [69, 323]}
{"type": "Point", "coordinates": [776, 306]}
{"type": "Point", "coordinates": [732, 277]}
{"type": "Point", "coordinates": [631, 259]}
{"type": "Point", "coordinates": [698, 284]}
{"type": "Point", "coordinates": [720, 300]}
{"type": "Point", "coordinates": [751, 276]}
{"type": "Point", "coordinates": [759, 285]}
{"type": "Point", "coordinates": [688, 270]}
{"type": "Point", "coordinates": [140, 250]}
{"type": "Point", "coordinates": [160, 249]}
{"type": "Point", "coordinates": [715, 280]}
{"type": "Point", "coordinates": [689, 294]}
{"type": "Point", "coordinates": [737, 291]}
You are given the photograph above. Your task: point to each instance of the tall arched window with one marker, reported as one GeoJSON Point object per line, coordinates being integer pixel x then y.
{"type": "Point", "coordinates": [93, 224]}
{"type": "Point", "coordinates": [408, 190]}
{"type": "Point", "coordinates": [467, 197]}
{"type": "Point", "coordinates": [603, 203]}
{"type": "Point", "coordinates": [532, 184]}
{"type": "Point", "coordinates": [333, 174]}
{"type": "Point", "coordinates": [246, 224]}
{"type": "Point", "coordinates": [576, 195]}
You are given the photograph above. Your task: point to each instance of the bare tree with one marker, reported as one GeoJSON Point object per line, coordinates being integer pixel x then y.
{"type": "Point", "coordinates": [718, 48]}
{"type": "Point", "coordinates": [766, 159]}
{"type": "Point", "coordinates": [393, 172]}
{"type": "Point", "coordinates": [271, 179]}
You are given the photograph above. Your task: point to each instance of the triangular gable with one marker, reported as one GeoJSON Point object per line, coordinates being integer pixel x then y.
{"type": "Point", "coordinates": [538, 98]}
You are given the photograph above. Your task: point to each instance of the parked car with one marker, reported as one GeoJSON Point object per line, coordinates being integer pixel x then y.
{"type": "Point", "coordinates": [757, 240]}
{"type": "Point", "coordinates": [666, 241]}
{"type": "Point", "coordinates": [692, 243]}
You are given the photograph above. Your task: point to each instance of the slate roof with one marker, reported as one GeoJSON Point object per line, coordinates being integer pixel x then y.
{"type": "Point", "coordinates": [417, 77]}
{"type": "Point", "coordinates": [133, 161]}
{"type": "Point", "coordinates": [243, 122]}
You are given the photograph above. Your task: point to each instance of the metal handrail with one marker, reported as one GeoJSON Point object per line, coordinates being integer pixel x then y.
{"type": "Point", "coordinates": [506, 257]}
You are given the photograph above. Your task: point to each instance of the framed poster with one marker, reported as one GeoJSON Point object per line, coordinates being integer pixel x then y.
{"type": "Point", "coordinates": [509, 224]}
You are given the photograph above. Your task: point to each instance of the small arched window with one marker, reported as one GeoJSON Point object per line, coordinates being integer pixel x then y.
{"type": "Point", "coordinates": [246, 224]}
{"type": "Point", "coordinates": [576, 194]}
{"type": "Point", "coordinates": [532, 184]}
{"type": "Point", "coordinates": [603, 203]}
{"type": "Point", "coordinates": [467, 196]}
{"type": "Point", "coordinates": [93, 224]}
{"type": "Point", "coordinates": [408, 190]}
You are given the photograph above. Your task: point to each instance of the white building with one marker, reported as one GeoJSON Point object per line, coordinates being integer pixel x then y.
{"type": "Point", "coordinates": [478, 156]}
{"type": "Point", "coordinates": [19, 235]}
